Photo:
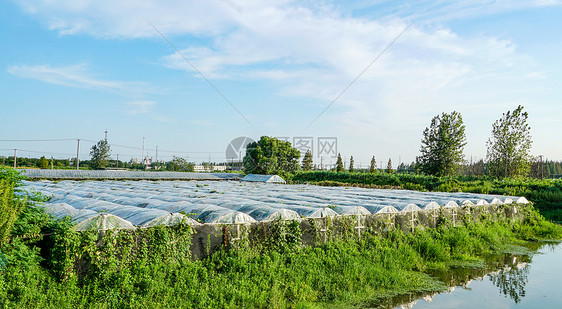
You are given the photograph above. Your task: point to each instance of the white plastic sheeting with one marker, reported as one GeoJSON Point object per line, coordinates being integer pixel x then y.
{"type": "Point", "coordinates": [103, 222]}
{"type": "Point", "coordinates": [263, 178]}
{"type": "Point", "coordinates": [146, 203]}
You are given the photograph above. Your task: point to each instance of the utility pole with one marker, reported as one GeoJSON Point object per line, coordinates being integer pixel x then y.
{"type": "Point", "coordinates": [156, 153]}
{"type": "Point", "coordinates": [117, 160]}
{"type": "Point", "coordinates": [106, 135]}
{"type": "Point", "coordinates": [15, 157]}
{"type": "Point", "coordinates": [142, 156]}
{"type": "Point", "coordinates": [78, 155]}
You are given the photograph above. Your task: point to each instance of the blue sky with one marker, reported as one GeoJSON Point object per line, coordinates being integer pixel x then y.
{"type": "Point", "coordinates": [71, 69]}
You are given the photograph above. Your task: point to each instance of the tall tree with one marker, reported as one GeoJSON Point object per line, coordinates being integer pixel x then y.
{"type": "Point", "coordinates": [351, 168]}
{"type": "Point", "coordinates": [339, 164]}
{"type": "Point", "coordinates": [270, 156]}
{"type": "Point", "coordinates": [389, 166]}
{"type": "Point", "coordinates": [442, 145]}
{"type": "Point", "coordinates": [307, 161]}
{"type": "Point", "coordinates": [509, 147]}
{"type": "Point", "coordinates": [373, 166]}
{"type": "Point", "coordinates": [100, 154]}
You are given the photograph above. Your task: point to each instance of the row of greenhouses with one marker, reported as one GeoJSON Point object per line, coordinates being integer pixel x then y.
{"type": "Point", "coordinates": [126, 204]}
{"type": "Point", "coordinates": [123, 174]}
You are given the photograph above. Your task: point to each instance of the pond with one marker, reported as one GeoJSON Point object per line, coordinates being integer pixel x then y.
{"type": "Point", "coordinates": [523, 282]}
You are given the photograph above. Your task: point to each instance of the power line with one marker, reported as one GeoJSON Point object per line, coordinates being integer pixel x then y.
{"type": "Point", "coordinates": [358, 76]}
{"type": "Point", "coordinates": [38, 140]}
{"type": "Point", "coordinates": [205, 78]}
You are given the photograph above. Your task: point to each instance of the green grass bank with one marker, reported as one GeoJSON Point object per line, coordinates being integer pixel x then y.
{"type": "Point", "coordinates": [44, 263]}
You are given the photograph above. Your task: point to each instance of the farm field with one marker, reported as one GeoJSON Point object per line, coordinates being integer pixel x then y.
{"type": "Point", "coordinates": [145, 203]}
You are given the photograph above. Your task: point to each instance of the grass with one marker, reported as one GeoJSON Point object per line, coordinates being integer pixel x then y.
{"type": "Point", "coordinates": [120, 271]}
{"type": "Point", "coordinates": [342, 273]}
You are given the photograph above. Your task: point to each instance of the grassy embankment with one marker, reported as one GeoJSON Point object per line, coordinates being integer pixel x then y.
{"type": "Point", "coordinates": [546, 194]}
{"type": "Point", "coordinates": [151, 268]}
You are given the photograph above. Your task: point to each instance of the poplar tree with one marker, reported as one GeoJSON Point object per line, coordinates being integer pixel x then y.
{"type": "Point", "coordinates": [339, 164]}
{"type": "Point", "coordinates": [307, 161]}
{"type": "Point", "coordinates": [373, 166]}
{"type": "Point", "coordinates": [100, 154]}
{"type": "Point", "coordinates": [442, 145]}
{"type": "Point", "coordinates": [508, 149]}
{"type": "Point", "coordinates": [351, 168]}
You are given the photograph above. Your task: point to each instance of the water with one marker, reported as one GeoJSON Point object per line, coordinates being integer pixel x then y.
{"type": "Point", "coordinates": [523, 283]}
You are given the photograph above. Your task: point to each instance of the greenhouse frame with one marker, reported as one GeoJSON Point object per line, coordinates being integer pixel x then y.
{"type": "Point", "coordinates": [129, 204]}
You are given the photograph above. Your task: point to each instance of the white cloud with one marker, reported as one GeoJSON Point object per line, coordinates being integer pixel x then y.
{"type": "Point", "coordinates": [76, 76]}
{"type": "Point", "coordinates": [315, 50]}
{"type": "Point", "coordinates": [139, 107]}
{"type": "Point", "coordinates": [428, 12]}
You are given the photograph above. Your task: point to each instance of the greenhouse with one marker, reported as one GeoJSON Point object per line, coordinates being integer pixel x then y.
{"type": "Point", "coordinates": [263, 178]}
{"type": "Point", "coordinates": [128, 204]}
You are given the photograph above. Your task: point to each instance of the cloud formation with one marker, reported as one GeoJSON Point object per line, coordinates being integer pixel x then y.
{"type": "Point", "coordinates": [76, 76]}
{"type": "Point", "coordinates": [313, 50]}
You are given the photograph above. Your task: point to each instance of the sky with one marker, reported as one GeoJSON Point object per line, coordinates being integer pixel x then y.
{"type": "Point", "coordinates": [191, 76]}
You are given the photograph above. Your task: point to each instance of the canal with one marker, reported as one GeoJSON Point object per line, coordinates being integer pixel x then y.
{"type": "Point", "coordinates": [519, 281]}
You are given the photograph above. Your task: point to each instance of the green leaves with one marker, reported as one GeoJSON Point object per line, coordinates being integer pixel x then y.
{"type": "Point", "coordinates": [339, 164]}
{"type": "Point", "coordinates": [270, 156]}
{"type": "Point", "coordinates": [307, 161]}
{"type": "Point", "coordinates": [10, 205]}
{"type": "Point", "coordinates": [442, 145]}
{"type": "Point", "coordinates": [509, 147]}
{"type": "Point", "coordinates": [100, 154]}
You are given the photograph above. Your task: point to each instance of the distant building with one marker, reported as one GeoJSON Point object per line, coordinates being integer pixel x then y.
{"type": "Point", "coordinates": [147, 162]}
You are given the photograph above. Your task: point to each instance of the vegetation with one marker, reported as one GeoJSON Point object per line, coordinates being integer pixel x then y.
{"type": "Point", "coordinates": [180, 165]}
{"type": "Point", "coordinates": [307, 161]}
{"type": "Point", "coordinates": [509, 147]}
{"type": "Point", "coordinates": [100, 153]}
{"type": "Point", "coordinates": [270, 156]}
{"type": "Point", "coordinates": [351, 168]}
{"type": "Point", "coordinates": [49, 265]}
{"type": "Point", "coordinates": [389, 166]}
{"type": "Point", "coordinates": [442, 145]}
{"type": "Point", "coordinates": [545, 193]}
{"type": "Point", "coordinates": [43, 163]}
{"type": "Point", "coordinates": [339, 164]}
{"type": "Point", "coordinates": [373, 166]}
{"type": "Point", "coordinates": [10, 206]}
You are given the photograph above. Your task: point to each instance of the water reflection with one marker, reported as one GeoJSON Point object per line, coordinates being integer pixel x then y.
{"type": "Point", "coordinates": [504, 282]}
{"type": "Point", "coordinates": [511, 282]}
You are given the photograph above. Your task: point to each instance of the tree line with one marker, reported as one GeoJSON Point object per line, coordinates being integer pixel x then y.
{"type": "Point", "coordinates": [441, 152]}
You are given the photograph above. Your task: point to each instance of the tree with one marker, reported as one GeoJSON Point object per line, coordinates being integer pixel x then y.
{"type": "Point", "coordinates": [339, 164]}
{"type": "Point", "coordinates": [351, 169]}
{"type": "Point", "coordinates": [271, 156]}
{"type": "Point", "coordinates": [307, 161]}
{"type": "Point", "coordinates": [180, 165]}
{"type": "Point", "coordinates": [442, 145]}
{"type": "Point", "coordinates": [389, 166]}
{"type": "Point", "coordinates": [509, 147]}
{"type": "Point", "coordinates": [43, 163]}
{"type": "Point", "coordinates": [100, 154]}
{"type": "Point", "coordinates": [373, 167]}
